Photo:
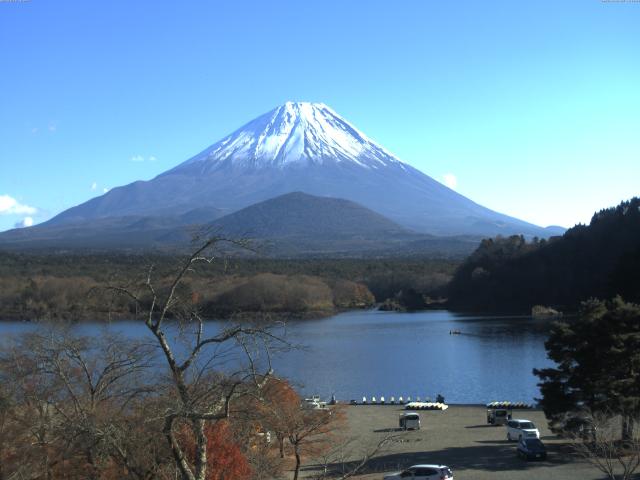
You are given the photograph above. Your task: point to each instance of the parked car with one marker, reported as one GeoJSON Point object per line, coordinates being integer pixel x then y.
{"type": "Point", "coordinates": [423, 472]}
{"type": "Point", "coordinates": [532, 448]}
{"type": "Point", "coordinates": [498, 416]}
{"type": "Point", "coordinates": [519, 428]}
{"type": "Point", "coordinates": [409, 421]}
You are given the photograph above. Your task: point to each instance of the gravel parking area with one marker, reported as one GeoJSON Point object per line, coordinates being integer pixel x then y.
{"type": "Point", "coordinates": [459, 438]}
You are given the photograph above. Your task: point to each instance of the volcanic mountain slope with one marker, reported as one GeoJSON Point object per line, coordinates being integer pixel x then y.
{"type": "Point", "coordinates": [292, 225]}
{"type": "Point", "coordinates": [304, 147]}
{"type": "Point", "coordinates": [298, 224]}
{"type": "Point", "coordinates": [132, 232]}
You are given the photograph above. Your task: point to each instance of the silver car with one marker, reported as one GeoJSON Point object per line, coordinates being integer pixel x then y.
{"type": "Point", "coordinates": [423, 472]}
{"type": "Point", "coordinates": [518, 429]}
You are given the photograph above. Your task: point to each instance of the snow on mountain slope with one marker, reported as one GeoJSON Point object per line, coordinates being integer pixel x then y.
{"type": "Point", "coordinates": [294, 133]}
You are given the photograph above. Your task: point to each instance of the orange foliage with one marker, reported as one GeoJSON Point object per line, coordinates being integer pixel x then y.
{"type": "Point", "coordinates": [225, 460]}
{"type": "Point", "coordinates": [278, 393]}
{"type": "Point", "coordinates": [309, 431]}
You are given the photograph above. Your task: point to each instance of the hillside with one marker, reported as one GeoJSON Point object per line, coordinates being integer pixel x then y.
{"type": "Point", "coordinates": [303, 215]}
{"type": "Point", "coordinates": [298, 225]}
{"type": "Point", "coordinates": [599, 260]}
{"type": "Point", "coordinates": [292, 225]}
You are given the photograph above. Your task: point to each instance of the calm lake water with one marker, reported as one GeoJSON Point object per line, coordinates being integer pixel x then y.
{"type": "Point", "coordinates": [371, 353]}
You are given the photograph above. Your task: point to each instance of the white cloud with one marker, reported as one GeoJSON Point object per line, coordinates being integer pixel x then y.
{"type": "Point", "coordinates": [105, 190]}
{"type": "Point", "coordinates": [34, 130]}
{"type": "Point", "coordinates": [450, 180]}
{"type": "Point", "coordinates": [140, 158]}
{"type": "Point", "coordinates": [10, 206]}
{"type": "Point", "coordinates": [94, 185]}
{"type": "Point", "coordinates": [52, 127]}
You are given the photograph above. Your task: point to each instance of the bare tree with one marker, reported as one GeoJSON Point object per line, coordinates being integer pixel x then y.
{"type": "Point", "coordinates": [309, 432]}
{"type": "Point", "coordinates": [29, 421]}
{"type": "Point", "coordinates": [600, 443]}
{"type": "Point", "coordinates": [206, 375]}
{"type": "Point", "coordinates": [71, 398]}
{"type": "Point", "coordinates": [347, 457]}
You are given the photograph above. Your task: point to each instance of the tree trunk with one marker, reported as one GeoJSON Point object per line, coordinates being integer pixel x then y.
{"type": "Point", "coordinates": [281, 446]}
{"type": "Point", "coordinates": [201, 449]}
{"type": "Point", "coordinates": [47, 465]}
{"type": "Point", "coordinates": [178, 455]}
{"type": "Point", "coordinates": [297, 470]}
{"type": "Point", "coordinates": [627, 428]}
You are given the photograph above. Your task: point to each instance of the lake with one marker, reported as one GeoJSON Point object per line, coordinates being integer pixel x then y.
{"type": "Point", "coordinates": [372, 353]}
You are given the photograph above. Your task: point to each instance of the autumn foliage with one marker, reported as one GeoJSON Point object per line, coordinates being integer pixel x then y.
{"type": "Point", "coordinates": [225, 459]}
{"type": "Point", "coordinates": [307, 430]}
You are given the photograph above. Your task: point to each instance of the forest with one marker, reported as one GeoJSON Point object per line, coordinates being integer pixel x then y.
{"type": "Point", "coordinates": [599, 260]}
{"type": "Point", "coordinates": [72, 286]}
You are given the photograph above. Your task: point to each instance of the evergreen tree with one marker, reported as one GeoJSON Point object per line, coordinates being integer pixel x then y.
{"type": "Point", "coordinates": [598, 363]}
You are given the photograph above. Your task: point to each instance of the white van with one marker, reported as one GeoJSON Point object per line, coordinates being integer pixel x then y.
{"type": "Point", "coordinates": [519, 429]}
{"type": "Point", "coordinates": [409, 421]}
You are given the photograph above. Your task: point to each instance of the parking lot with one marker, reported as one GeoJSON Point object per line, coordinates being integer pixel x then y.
{"type": "Point", "coordinates": [459, 438]}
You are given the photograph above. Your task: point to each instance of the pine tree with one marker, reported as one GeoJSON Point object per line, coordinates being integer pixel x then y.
{"type": "Point", "coordinates": [598, 363]}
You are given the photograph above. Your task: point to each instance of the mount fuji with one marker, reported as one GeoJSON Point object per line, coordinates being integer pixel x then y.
{"type": "Point", "coordinates": [296, 147]}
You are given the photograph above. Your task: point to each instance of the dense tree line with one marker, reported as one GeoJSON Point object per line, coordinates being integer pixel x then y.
{"type": "Point", "coordinates": [511, 274]}
{"type": "Point", "coordinates": [78, 298]}
{"type": "Point", "coordinates": [60, 286]}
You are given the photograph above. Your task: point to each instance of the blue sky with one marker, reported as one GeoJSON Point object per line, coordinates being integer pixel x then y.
{"type": "Point", "coordinates": [529, 108]}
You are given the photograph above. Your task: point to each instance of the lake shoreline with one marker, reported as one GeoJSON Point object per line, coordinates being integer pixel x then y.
{"type": "Point", "coordinates": [103, 317]}
{"type": "Point", "coordinates": [269, 316]}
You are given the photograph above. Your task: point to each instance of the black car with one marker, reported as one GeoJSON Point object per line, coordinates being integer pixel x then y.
{"type": "Point", "coordinates": [532, 448]}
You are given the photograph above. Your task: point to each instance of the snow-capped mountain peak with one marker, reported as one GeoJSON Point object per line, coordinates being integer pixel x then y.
{"type": "Point", "coordinates": [292, 134]}
{"type": "Point", "coordinates": [299, 147]}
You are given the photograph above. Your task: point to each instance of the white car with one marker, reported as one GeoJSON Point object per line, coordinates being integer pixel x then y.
{"type": "Point", "coordinates": [422, 472]}
{"type": "Point", "coordinates": [518, 429]}
{"type": "Point", "coordinates": [409, 421]}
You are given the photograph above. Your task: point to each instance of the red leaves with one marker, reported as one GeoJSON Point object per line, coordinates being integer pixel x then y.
{"type": "Point", "coordinates": [225, 460]}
